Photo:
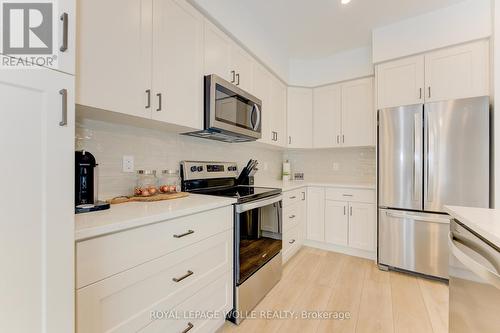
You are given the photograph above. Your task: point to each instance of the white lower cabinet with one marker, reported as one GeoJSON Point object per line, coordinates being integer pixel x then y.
{"type": "Point", "coordinates": [158, 294]}
{"type": "Point", "coordinates": [336, 222]}
{"type": "Point", "coordinates": [294, 221]}
{"type": "Point", "coordinates": [342, 219]}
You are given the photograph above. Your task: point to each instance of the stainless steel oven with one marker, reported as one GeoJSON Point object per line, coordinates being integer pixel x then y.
{"type": "Point", "coordinates": [258, 244]}
{"type": "Point", "coordinates": [231, 114]}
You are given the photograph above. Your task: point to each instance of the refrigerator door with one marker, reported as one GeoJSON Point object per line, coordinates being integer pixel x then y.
{"type": "Point", "coordinates": [400, 149]}
{"type": "Point", "coordinates": [414, 242]}
{"type": "Point", "coordinates": [456, 157]}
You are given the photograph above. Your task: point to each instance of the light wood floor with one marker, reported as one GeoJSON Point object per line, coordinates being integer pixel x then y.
{"type": "Point", "coordinates": [316, 280]}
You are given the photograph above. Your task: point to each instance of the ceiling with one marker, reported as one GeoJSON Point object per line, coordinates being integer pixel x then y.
{"type": "Point", "coordinates": [309, 29]}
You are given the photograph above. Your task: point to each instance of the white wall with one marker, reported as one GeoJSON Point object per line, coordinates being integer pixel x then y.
{"type": "Point", "coordinates": [338, 67]}
{"type": "Point", "coordinates": [496, 98]}
{"type": "Point", "coordinates": [235, 25]}
{"type": "Point", "coordinates": [462, 22]}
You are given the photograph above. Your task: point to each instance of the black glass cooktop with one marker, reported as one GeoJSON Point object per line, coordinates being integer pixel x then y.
{"type": "Point", "coordinates": [241, 192]}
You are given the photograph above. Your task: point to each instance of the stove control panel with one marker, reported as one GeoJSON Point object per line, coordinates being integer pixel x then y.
{"type": "Point", "coordinates": [208, 170]}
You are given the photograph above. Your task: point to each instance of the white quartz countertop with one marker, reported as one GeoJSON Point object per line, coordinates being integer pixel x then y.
{"type": "Point", "coordinates": [483, 221]}
{"type": "Point", "coordinates": [296, 184]}
{"type": "Point", "coordinates": [135, 214]}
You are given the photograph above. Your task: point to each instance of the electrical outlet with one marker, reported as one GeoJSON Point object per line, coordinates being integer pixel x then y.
{"type": "Point", "coordinates": [128, 163]}
{"type": "Point", "coordinates": [336, 166]}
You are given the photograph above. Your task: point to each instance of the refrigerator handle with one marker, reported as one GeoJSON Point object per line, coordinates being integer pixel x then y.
{"type": "Point", "coordinates": [429, 156]}
{"type": "Point", "coordinates": [416, 128]}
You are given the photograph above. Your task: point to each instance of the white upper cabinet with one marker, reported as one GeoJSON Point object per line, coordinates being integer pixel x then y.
{"type": "Point", "coordinates": [358, 114]}
{"type": "Point", "coordinates": [299, 117]}
{"type": "Point", "coordinates": [454, 72]}
{"type": "Point", "coordinates": [114, 60]}
{"type": "Point", "coordinates": [177, 64]}
{"type": "Point", "coordinates": [262, 81]}
{"type": "Point", "coordinates": [400, 82]}
{"type": "Point", "coordinates": [241, 67]}
{"type": "Point", "coordinates": [278, 112]}
{"type": "Point", "coordinates": [457, 72]}
{"type": "Point", "coordinates": [217, 53]}
{"type": "Point", "coordinates": [327, 116]}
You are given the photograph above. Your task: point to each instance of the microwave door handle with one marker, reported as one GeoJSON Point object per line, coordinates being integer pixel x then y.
{"type": "Point", "coordinates": [257, 122]}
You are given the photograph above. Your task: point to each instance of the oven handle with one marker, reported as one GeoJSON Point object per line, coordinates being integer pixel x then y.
{"type": "Point", "coordinates": [257, 204]}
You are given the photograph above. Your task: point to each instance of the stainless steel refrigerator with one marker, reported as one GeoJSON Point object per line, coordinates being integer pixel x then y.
{"type": "Point", "coordinates": [429, 155]}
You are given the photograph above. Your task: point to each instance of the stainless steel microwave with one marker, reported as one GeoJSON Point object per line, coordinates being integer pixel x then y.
{"type": "Point", "coordinates": [231, 114]}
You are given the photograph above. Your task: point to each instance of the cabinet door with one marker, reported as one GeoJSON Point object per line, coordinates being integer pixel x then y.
{"type": "Point", "coordinates": [299, 117]}
{"type": "Point", "coordinates": [336, 222]}
{"type": "Point", "coordinates": [316, 214]}
{"type": "Point", "coordinates": [242, 64]}
{"type": "Point", "coordinates": [262, 90]}
{"type": "Point", "coordinates": [278, 112]}
{"type": "Point", "coordinates": [457, 72]}
{"type": "Point", "coordinates": [358, 114]}
{"type": "Point", "coordinates": [400, 82]}
{"type": "Point", "coordinates": [327, 116]}
{"type": "Point", "coordinates": [217, 53]}
{"type": "Point", "coordinates": [37, 238]}
{"type": "Point", "coordinates": [362, 226]}
{"type": "Point", "coordinates": [177, 64]}
{"type": "Point", "coordinates": [59, 46]}
{"type": "Point", "coordinates": [114, 59]}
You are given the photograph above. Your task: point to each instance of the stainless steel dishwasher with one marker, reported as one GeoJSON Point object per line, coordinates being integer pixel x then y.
{"type": "Point", "coordinates": [474, 282]}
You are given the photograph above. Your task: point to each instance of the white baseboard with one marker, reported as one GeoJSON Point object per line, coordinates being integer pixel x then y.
{"type": "Point", "coordinates": [372, 255]}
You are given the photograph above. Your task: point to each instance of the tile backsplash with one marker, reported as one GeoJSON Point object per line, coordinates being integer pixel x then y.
{"type": "Point", "coordinates": [158, 150]}
{"type": "Point", "coordinates": [355, 165]}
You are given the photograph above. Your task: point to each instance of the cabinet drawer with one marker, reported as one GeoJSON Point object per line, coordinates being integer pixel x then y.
{"type": "Point", "coordinates": [350, 194]}
{"type": "Point", "coordinates": [292, 217]}
{"type": "Point", "coordinates": [291, 238]}
{"type": "Point", "coordinates": [102, 257]}
{"type": "Point", "coordinates": [123, 302]}
{"type": "Point", "coordinates": [292, 197]}
{"type": "Point", "coordinates": [216, 298]}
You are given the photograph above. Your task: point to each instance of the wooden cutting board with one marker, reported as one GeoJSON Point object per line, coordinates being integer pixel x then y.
{"type": "Point", "coordinates": [156, 197]}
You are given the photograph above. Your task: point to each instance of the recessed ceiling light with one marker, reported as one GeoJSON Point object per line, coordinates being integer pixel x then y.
{"type": "Point", "coordinates": [345, 2]}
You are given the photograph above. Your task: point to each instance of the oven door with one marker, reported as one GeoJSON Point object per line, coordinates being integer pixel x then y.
{"type": "Point", "coordinates": [258, 233]}
{"type": "Point", "coordinates": [232, 109]}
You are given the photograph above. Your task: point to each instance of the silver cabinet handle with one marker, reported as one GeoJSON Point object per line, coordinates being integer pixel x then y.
{"type": "Point", "coordinates": [187, 329]}
{"type": "Point", "coordinates": [289, 140]}
{"type": "Point", "coordinates": [420, 93]}
{"type": "Point", "coordinates": [159, 102]}
{"type": "Point", "coordinates": [189, 232]}
{"type": "Point", "coordinates": [344, 210]}
{"type": "Point", "coordinates": [148, 93]}
{"type": "Point", "coordinates": [64, 107]}
{"type": "Point", "coordinates": [292, 241]}
{"type": "Point", "coordinates": [347, 195]}
{"type": "Point", "coordinates": [303, 196]}
{"type": "Point", "coordinates": [64, 18]}
{"type": "Point", "coordinates": [293, 197]}
{"type": "Point", "coordinates": [350, 210]}
{"type": "Point", "coordinates": [338, 138]}
{"type": "Point", "coordinates": [238, 79]}
{"type": "Point", "coordinates": [233, 73]}
{"type": "Point", "coordinates": [429, 88]}
{"type": "Point", "coordinates": [291, 216]}
{"type": "Point", "coordinates": [343, 138]}
{"type": "Point", "coordinates": [179, 279]}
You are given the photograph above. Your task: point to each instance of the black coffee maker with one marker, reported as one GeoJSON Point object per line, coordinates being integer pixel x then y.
{"type": "Point", "coordinates": [86, 184]}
